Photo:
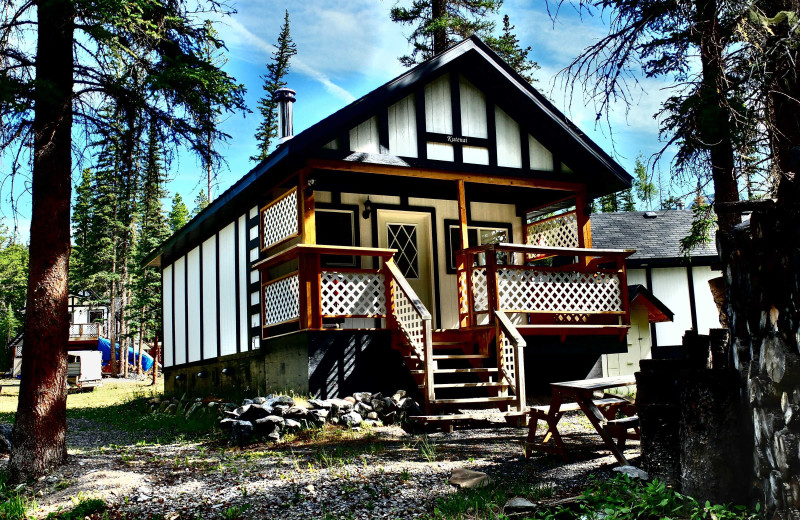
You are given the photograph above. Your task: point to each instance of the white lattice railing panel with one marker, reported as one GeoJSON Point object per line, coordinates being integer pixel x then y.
{"type": "Point", "coordinates": [559, 291]}
{"type": "Point", "coordinates": [480, 291]}
{"type": "Point", "coordinates": [508, 359]}
{"type": "Point", "coordinates": [353, 294]}
{"type": "Point", "coordinates": [281, 300]}
{"type": "Point", "coordinates": [279, 220]}
{"type": "Point", "coordinates": [560, 231]}
{"type": "Point", "coordinates": [83, 330]}
{"type": "Point", "coordinates": [409, 321]}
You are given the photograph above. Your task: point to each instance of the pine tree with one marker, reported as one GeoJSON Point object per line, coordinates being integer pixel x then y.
{"type": "Point", "coordinates": [507, 47]}
{"type": "Point", "coordinates": [440, 23]}
{"type": "Point", "coordinates": [277, 70]}
{"type": "Point", "coordinates": [154, 229]}
{"type": "Point", "coordinates": [13, 290]}
{"type": "Point", "coordinates": [178, 214]}
{"type": "Point", "coordinates": [609, 203]}
{"type": "Point", "coordinates": [200, 203]}
{"type": "Point", "coordinates": [645, 189]}
{"type": "Point", "coordinates": [81, 257]}
{"type": "Point", "coordinates": [626, 202]}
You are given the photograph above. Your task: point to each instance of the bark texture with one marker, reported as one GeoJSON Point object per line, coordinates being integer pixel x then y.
{"type": "Point", "coordinates": [39, 438]}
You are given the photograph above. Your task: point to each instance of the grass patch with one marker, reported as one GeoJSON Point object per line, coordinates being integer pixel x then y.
{"type": "Point", "coordinates": [14, 505]}
{"type": "Point", "coordinates": [486, 502]}
{"type": "Point", "coordinates": [83, 509]}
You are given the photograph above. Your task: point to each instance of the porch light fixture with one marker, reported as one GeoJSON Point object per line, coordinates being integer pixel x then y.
{"type": "Point", "coordinates": [228, 371]}
{"type": "Point", "coordinates": [367, 208]}
{"type": "Point", "coordinates": [180, 377]}
{"type": "Point", "coordinates": [309, 189]}
{"type": "Point", "coordinates": [202, 375]}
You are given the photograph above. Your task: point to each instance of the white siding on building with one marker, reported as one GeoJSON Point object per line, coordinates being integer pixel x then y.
{"type": "Point", "coordinates": [364, 137]}
{"type": "Point", "coordinates": [403, 127]}
{"type": "Point", "coordinates": [227, 290]}
{"type": "Point", "coordinates": [169, 346]}
{"type": "Point", "coordinates": [639, 346]}
{"type": "Point", "coordinates": [193, 300]}
{"type": "Point", "coordinates": [440, 151]}
{"type": "Point", "coordinates": [475, 154]}
{"type": "Point", "coordinates": [438, 106]}
{"type": "Point", "coordinates": [509, 151]}
{"type": "Point", "coordinates": [180, 311]}
{"type": "Point", "coordinates": [707, 313]}
{"type": "Point", "coordinates": [473, 111]}
{"type": "Point", "coordinates": [243, 267]}
{"type": "Point", "coordinates": [541, 157]}
{"type": "Point", "coordinates": [671, 286]}
{"type": "Point", "coordinates": [210, 298]}
{"type": "Point", "coordinates": [637, 276]}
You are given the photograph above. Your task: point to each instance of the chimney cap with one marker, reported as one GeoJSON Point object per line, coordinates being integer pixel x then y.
{"type": "Point", "coordinates": [285, 94]}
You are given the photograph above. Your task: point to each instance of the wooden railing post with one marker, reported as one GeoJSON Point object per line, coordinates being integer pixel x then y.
{"type": "Point", "coordinates": [427, 340]}
{"type": "Point", "coordinates": [389, 287]}
{"type": "Point", "coordinates": [493, 303]}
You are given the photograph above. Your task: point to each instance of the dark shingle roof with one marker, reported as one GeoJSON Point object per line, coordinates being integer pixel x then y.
{"type": "Point", "coordinates": [653, 238]}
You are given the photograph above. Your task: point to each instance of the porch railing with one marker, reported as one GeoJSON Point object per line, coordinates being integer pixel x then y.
{"type": "Point", "coordinates": [562, 287]}
{"type": "Point", "coordinates": [556, 231]}
{"type": "Point", "coordinates": [87, 331]}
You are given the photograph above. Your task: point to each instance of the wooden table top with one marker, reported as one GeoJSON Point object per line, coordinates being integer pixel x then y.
{"type": "Point", "coordinates": [600, 383]}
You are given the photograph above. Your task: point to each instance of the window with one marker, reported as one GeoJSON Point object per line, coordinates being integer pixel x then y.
{"type": "Point", "coordinates": [403, 238]}
{"type": "Point", "coordinates": [478, 235]}
{"type": "Point", "coordinates": [96, 316]}
{"type": "Point", "coordinates": [336, 227]}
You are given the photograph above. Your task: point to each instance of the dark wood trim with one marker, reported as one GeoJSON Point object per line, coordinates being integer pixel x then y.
{"type": "Point", "coordinates": [419, 104]}
{"type": "Point", "coordinates": [216, 274]}
{"type": "Point", "coordinates": [692, 303]}
{"type": "Point", "coordinates": [491, 131]}
{"type": "Point", "coordinates": [455, 112]}
{"type": "Point", "coordinates": [202, 318]}
{"type": "Point", "coordinates": [434, 245]}
{"type": "Point", "coordinates": [237, 291]}
{"type": "Point", "coordinates": [383, 130]}
{"type": "Point", "coordinates": [648, 279]}
{"type": "Point", "coordinates": [344, 140]}
{"type": "Point", "coordinates": [185, 304]}
{"type": "Point", "coordinates": [172, 299]}
{"type": "Point", "coordinates": [524, 147]}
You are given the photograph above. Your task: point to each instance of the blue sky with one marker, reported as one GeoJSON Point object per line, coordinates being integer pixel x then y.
{"type": "Point", "coordinates": [347, 49]}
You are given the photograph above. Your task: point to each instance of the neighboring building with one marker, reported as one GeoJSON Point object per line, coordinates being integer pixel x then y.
{"type": "Point", "coordinates": [373, 249]}
{"type": "Point", "coordinates": [679, 283]}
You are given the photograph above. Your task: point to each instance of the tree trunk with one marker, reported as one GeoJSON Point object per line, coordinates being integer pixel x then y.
{"type": "Point", "coordinates": [112, 320]}
{"type": "Point", "coordinates": [139, 357]}
{"type": "Point", "coordinates": [155, 354]}
{"type": "Point", "coordinates": [715, 124]}
{"type": "Point", "coordinates": [39, 438]}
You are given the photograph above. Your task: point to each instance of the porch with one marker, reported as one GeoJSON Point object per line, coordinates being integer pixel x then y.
{"type": "Point", "coordinates": [506, 293]}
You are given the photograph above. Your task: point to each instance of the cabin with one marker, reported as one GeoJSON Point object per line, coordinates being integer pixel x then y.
{"type": "Point", "coordinates": [433, 235]}
{"type": "Point", "coordinates": [677, 284]}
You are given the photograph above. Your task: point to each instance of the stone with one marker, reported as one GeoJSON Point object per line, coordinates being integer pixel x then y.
{"type": "Point", "coordinates": [362, 396]}
{"type": "Point", "coordinates": [373, 416]}
{"type": "Point", "coordinates": [284, 399]}
{"type": "Point", "coordinates": [255, 411]}
{"type": "Point", "coordinates": [519, 505]}
{"type": "Point", "coordinates": [372, 423]}
{"type": "Point", "coordinates": [350, 400]}
{"type": "Point", "coordinates": [363, 408]}
{"type": "Point", "coordinates": [295, 411]}
{"type": "Point", "coordinates": [241, 433]}
{"type": "Point", "coordinates": [467, 478]}
{"type": "Point", "coordinates": [212, 405]}
{"type": "Point", "coordinates": [398, 395]}
{"type": "Point", "coordinates": [242, 409]}
{"type": "Point", "coordinates": [274, 436]}
{"type": "Point", "coordinates": [319, 403]}
{"type": "Point", "coordinates": [786, 452]}
{"type": "Point", "coordinates": [280, 409]}
{"type": "Point", "coordinates": [632, 472]}
{"type": "Point", "coordinates": [225, 424]}
{"type": "Point", "coordinates": [246, 402]}
{"type": "Point", "coordinates": [389, 418]}
{"type": "Point", "coordinates": [320, 413]}
{"type": "Point", "coordinates": [5, 438]}
{"type": "Point", "coordinates": [291, 424]}
{"type": "Point", "coordinates": [378, 405]}
{"type": "Point", "coordinates": [340, 406]}
{"type": "Point", "coordinates": [351, 419]}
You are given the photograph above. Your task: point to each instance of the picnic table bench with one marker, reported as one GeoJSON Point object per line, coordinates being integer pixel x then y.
{"type": "Point", "coordinates": [602, 413]}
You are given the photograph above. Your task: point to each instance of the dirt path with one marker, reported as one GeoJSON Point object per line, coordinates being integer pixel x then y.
{"type": "Point", "coordinates": [382, 473]}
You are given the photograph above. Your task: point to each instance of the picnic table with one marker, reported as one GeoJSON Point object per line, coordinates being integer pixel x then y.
{"type": "Point", "coordinates": [602, 413]}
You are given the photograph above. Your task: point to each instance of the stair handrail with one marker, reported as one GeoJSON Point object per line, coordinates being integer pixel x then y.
{"type": "Point", "coordinates": [422, 346]}
{"type": "Point", "coordinates": [507, 332]}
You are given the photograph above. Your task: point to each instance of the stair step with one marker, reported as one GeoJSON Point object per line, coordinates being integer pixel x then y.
{"type": "Point", "coordinates": [472, 400]}
{"type": "Point", "coordinates": [467, 385]}
{"type": "Point", "coordinates": [459, 371]}
{"type": "Point", "coordinates": [459, 356]}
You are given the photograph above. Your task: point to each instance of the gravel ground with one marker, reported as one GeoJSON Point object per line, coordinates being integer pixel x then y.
{"type": "Point", "coordinates": [380, 473]}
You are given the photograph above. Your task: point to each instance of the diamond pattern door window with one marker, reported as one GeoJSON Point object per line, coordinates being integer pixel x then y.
{"type": "Point", "coordinates": [403, 238]}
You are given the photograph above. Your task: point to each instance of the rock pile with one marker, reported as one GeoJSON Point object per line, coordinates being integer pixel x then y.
{"type": "Point", "coordinates": [272, 416]}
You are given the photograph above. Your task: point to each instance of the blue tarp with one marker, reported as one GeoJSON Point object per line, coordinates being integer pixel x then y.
{"type": "Point", "coordinates": [104, 346]}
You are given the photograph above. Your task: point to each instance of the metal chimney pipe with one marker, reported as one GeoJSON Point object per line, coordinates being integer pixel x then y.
{"type": "Point", "coordinates": [285, 97]}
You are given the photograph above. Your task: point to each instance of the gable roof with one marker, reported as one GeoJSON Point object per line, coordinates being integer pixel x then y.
{"type": "Point", "coordinates": [655, 235]}
{"type": "Point", "coordinates": [509, 89]}
{"type": "Point", "coordinates": [656, 310]}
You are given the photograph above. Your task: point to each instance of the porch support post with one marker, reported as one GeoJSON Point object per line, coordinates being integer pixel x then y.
{"type": "Point", "coordinates": [306, 214]}
{"type": "Point", "coordinates": [462, 275]}
{"type": "Point", "coordinates": [584, 224]}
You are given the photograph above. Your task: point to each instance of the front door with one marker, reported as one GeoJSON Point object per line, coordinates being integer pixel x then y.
{"type": "Point", "coordinates": [409, 232]}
